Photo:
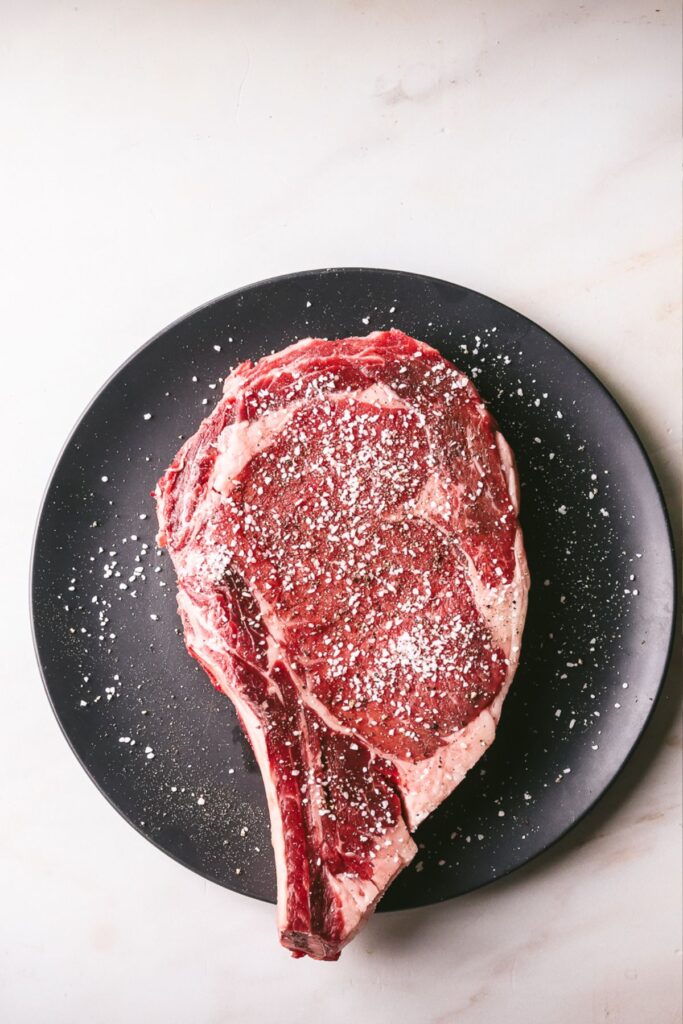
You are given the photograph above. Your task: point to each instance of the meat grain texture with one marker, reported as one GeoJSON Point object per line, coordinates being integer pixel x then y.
{"type": "Point", "coordinates": [351, 574]}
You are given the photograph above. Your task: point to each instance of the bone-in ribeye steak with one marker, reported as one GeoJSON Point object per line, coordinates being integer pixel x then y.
{"type": "Point", "coordinates": [351, 574]}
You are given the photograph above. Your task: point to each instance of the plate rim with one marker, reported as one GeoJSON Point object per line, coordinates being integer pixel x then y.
{"type": "Point", "coordinates": [384, 271]}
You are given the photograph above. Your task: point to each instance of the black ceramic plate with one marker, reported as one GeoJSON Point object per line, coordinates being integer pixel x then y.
{"type": "Point", "coordinates": [166, 749]}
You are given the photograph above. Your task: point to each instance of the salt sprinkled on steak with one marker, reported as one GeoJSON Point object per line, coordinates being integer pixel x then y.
{"type": "Point", "coordinates": [351, 574]}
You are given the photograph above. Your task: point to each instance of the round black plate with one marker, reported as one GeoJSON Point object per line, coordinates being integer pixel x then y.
{"type": "Point", "coordinates": [166, 749]}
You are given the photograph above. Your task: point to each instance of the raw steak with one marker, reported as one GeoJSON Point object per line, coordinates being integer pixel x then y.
{"type": "Point", "coordinates": [351, 574]}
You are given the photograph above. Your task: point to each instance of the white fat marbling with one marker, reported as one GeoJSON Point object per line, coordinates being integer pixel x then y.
{"type": "Point", "coordinates": [157, 154]}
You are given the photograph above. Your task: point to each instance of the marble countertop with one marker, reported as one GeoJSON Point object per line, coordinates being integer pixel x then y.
{"type": "Point", "coordinates": [158, 154]}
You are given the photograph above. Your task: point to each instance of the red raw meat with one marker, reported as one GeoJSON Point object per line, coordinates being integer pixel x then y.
{"type": "Point", "coordinates": [351, 574]}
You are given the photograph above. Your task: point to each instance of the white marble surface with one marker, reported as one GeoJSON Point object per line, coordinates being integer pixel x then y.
{"type": "Point", "coordinates": [156, 154]}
